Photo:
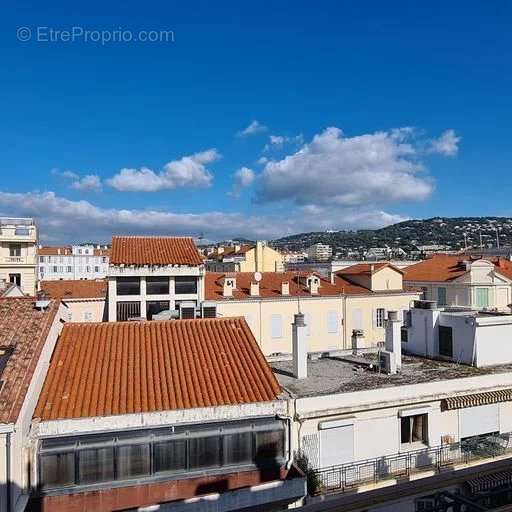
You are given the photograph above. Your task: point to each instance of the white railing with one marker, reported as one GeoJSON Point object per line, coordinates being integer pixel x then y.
{"type": "Point", "coordinates": [14, 259]}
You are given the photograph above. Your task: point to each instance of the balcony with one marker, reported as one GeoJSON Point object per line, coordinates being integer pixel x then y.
{"type": "Point", "coordinates": [15, 260]}
{"type": "Point", "coordinates": [350, 476]}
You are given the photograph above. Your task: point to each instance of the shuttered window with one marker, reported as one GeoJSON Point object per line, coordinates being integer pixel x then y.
{"type": "Point", "coordinates": [276, 326]}
{"type": "Point", "coordinates": [332, 322]}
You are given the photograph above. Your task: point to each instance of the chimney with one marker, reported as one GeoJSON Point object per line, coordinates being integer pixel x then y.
{"type": "Point", "coordinates": [255, 289]}
{"type": "Point", "coordinates": [313, 284]}
{"type": "Point", "coordinates": [394, 337]}
{"type": "Point", "coordinates": [229, 286]}
{"type": "Point", "coordinates": [285, 288]}
{"type": "Point", "coordinates": [357, 340]}
{"type": "Point", "coordinates": [300, 354]}
{"type": "Point", "coordinates": [58, 250]}
{"type": "Point", "coordinates": [333, 277]}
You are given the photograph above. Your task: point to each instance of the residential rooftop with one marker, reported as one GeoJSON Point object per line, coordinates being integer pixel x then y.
{"type": "Point", "coordinates": [154, 250]}
{"type": "Point", "coordinates": [346, 374]}
{"type": "Point", "coordinates": [113, 368]}
{"type": "Point", "coordinates": [23, 333]}
{"type": "Point", "coordinates": [75, 289]}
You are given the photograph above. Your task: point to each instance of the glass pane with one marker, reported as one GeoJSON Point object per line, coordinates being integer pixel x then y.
{"type": "Point", "coordinates": [170, 456]}
{"type": "Point", "coordinates": [405, 430]}
{"type": "Point", "coordinates": [419, 428]}
{"type": "Point", "coordinates": [127, 310]}
{"type": "Point", "coordinates": [157, 285]}
{"type": "Point", "coordinates": [155, 307]}
{"type": "Point", "coordinates": [133, 460]}
{"type": "Point", "coordinates": [57, 470]}
{"type": "Point", "coordinates": [204, 452]}
{"type": "Point", "coordinates": [128, 285]}
{"type": "Point", "coordinates": [185, 284]}
{"type": "Point", "coordinates": [269, 446]}
{"type": "Point", "coordinates": [96, 465]}
{"type": "Point", "coordinates": [238, 448]}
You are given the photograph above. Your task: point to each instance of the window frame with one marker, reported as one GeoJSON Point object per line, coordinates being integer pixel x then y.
{"type": "Point", "coordinates": [410, 420]}
{"type": "Point", "coordinates": [135, 282]}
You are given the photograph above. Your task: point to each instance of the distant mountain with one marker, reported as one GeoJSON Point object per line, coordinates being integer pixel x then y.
{"type": "Point", "coordinates": [410, 234]}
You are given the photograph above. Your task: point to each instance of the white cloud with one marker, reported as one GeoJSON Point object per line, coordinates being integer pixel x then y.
{"type": "Point", "coordinates": [263, 160]}
{"type": "Point", "coordinates": [278, 141]}
{"type": "Point", "coordinates": [244, 177]}
{"type": "Point", "coordinates": [447, 144]}
{"type": "Point", "coordinates": [90, 183]}
{"type": "Point", "coordinates": [189, 171]}
{"type": "Point", "coordinates": [69, 175]}
{"type": "Point", "coordinates": [365, 170]}
{"type": "Point", "coordinates": [253, 128]}
{"type": "Point", "coordinates": [61, 220]}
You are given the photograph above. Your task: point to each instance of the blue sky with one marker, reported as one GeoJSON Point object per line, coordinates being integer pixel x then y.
{"type": "Point", "coordinates": [367, 113]}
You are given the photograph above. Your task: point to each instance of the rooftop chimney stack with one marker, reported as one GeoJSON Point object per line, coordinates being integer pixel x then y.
{"type": "Point", "coordinates": [394, 337]}
{"type": "Point", "coordinates": [229, 286]}
{"type": "Point", "coordinates": [313, 284]}
{"type": "Point", "coordinates": [300, 354]}
{"type": "Point", "coordinates": [255, 288]}
{"type": "Point", "coordinates": [285, 288]}
{"type": "Point", "coordinates": [357, 340]}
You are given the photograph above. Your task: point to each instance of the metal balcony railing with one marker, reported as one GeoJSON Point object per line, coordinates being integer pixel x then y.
{"type": "Point", "coordinates": [14, 259]}
{"type": "Point", "coordinates": [348, 476]}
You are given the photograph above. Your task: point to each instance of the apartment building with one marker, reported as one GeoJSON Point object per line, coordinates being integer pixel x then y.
{"type": "Point", "coordinates": [18, 253]}
{"type": "Point", "coordinates": [73, 262]}
{"type": "Point", "coordinates": [245, 258]}
{"type": "Point", "coordinates": [85, 301]}
{"type": "Point", "coordinates": [151, 275]}
{"type": "Point", "coordinates": [416, 435]}
{"type": "Point", "coordinates": [353, 299]}
{"type": "Point", "coordinates": [191, 419]}
{"type": "Point", "coordinates": [462, 281]}
{"type": "Point", "coordinates": [319, 252]}
{"type": "Point", "coordinates": [28, 333]}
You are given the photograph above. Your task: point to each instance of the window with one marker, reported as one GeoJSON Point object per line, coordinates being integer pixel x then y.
{"type": "Point", "coordinates": [15, 278]}
{"type": "Point", "coordinates": [413, 429]}
{"type": "Point", "coordinates": [482, 297]}
{"type": "Point", "coordinates": [41, 259]}
{"type": "Point", "coordinates": [128, 285]}
{"type": "Point", "coordinates": [424, 291]}
{"type": "Point", "coordinates": [69, 269]}
{"type": "Point", "coordinates": [87, 316]}
{"type": "Point", "coordinates": [157, 285]}
{"type": "Point", "coordinates": [380, 317]}
{"type": "Point", "coordinates": [332, 322]}
{"type": "Point", "coordinates": [307, 323]}
{"type": "Point", "coordinates": [155, 307]}
{"type": "Point", "coordinates": [57, 470]}
{"type": "Point", "coordinates": [15, 250]}
{"type": "Point", "coordinates": [96, 269]}
{"type": "Point", "coordinates": [170, 455]}
{"type": "Point", "coordinates": [441, 296]}
{"type": "Point", "coordinates": [127, 310]}
{"type": "Point", "coordinates": [185, 284]}
{"type": "Point", "coordinates": [445, 341]}
{"type": "Point", "coordinates": [204, 452]}
{"type": "Point", "coordinates": [269, 446]}
{"type": "Point", "coordinates": [55, 269]}
{"type": "Point", "coordinates": [276, 326]}
{"type": "Point", "coordinates": [238, 448]}
{"type": "Point", "coordinates": [96, 465]}
{"type": "Point", "coordinates": [133, 460]}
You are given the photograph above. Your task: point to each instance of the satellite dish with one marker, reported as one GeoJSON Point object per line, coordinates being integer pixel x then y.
{"type": "Point", "coordinates": [257, 276]}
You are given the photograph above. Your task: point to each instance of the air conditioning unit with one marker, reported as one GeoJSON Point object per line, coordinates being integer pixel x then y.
{"type": "Point", "coordinates": [387, 362]}
{"type": "Point", "coordinates": [187, 310]}
{"type": "Point", "coordinates": [208, 310]}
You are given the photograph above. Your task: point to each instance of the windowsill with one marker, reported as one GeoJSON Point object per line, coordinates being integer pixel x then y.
{"type": "Point", "coordinates": [411, 447]}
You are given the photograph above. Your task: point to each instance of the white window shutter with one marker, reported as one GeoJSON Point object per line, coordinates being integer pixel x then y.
{"type": "Point", "coordinates": [276, 327]}
{"type": "Point", "coordinates": [374, 312]}
{"type": "Point", "coordinates": [307, 321]}
{"type": "Point", "coordinates": [332, 321]}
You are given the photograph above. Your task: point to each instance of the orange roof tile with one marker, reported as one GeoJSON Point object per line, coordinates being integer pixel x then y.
{"type": "Point", "coordinates": [270, 285]}
{"type": "Point", "coordinates": [54, 251]}
{"type": "Point", "coordinates": [230, 251]}
{"type": "Point", "coordinates": [153, 250]}
{"type": "Point", "coordinates": [23, 333]}
{"type": "Point", "coordinates": [75, 289]}
{"type": "Point", "coordinates": [113, 368]}
{"type": "Point", "coordinates": [367, 268]}
{"type": "Point", "coordinates": [445, 267]}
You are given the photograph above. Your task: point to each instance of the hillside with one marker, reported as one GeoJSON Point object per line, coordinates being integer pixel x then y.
{"type": "Point", "coordinates": [409, 234]}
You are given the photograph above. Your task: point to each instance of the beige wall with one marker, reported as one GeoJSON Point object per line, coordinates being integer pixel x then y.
{"type": "Point", "coordinates": [330, 319]}
{"type": "Point", "coordinates": [262, 259]}
{"type": "Point", "coordinates": [86, 310]}
{"type": "Point", "coordinates": [26, 265]}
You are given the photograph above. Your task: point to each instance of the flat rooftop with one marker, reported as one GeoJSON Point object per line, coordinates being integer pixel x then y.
{"type": "Point", "coordinates": [346, 374]}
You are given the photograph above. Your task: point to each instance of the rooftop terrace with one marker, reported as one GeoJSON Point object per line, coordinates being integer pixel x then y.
{"type": "Point", "coordinates": [346, 374]}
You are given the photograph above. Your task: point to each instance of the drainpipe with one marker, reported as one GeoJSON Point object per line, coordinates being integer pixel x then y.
{"type": "Point", "coordinates": [289, 458]}
{"type": "Point", "coordinates": [6, 431]}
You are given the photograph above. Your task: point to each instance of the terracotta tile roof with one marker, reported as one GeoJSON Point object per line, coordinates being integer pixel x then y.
{"type": "Point", "coordinates": [270, 285]}
{"type": "Point", "coordinates": [54, 251]}
{"type": "Point", "coordinates": [444, 268]}
{"type": "Point", "coordinates": [113, 368]}
{"type": "Point", "coordinates": [23, 333]}
{"type": "Point", "coordinates": [75, 289]}
{"type": "Point", "coordinates": [367, 268]}
{"type": "Point", "coordinates": [230, 251]}
{"type": "Point", "coordinates": [101, 252]}
{"type": "Point", "coordinates": [152, 250]}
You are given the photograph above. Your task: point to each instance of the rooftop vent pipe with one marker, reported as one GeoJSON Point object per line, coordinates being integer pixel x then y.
{"type": "Point", "coordinates": [300, 354]}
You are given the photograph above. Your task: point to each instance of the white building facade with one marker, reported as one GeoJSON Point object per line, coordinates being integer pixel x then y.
{"type": "Point", "coordinates": [319, 252]}
{"type": "Point", "coordinates": [73, 262]}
